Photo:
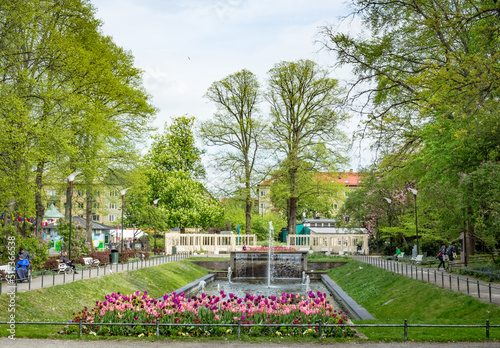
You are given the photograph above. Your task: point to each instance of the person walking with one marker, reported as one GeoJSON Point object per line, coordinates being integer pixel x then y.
{"type": "Point", "coordinates": [440, 256]}
{"type": "Point", "coordinates": [24, 253]}
{"type": "Point", "coordinates": [451, 251]}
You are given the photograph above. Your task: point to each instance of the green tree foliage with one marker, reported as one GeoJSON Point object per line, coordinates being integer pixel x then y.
{"type": "Point", "coordinates": [303, 101]}
{"type": "Point", "coordinates": [481, 197]}
{"type": "Point", "coordinates": [79, 244]}
{"type": "Point", "coordinates": [428, 79]}
{"type": "Point", "coordinates": [237, 131]}
{"type": "Point", "coordinates": [314, 191]}
{"type": "Point", "coordinates": [173, 165]}
{"type": "Point", "coordinates": [73, 99]}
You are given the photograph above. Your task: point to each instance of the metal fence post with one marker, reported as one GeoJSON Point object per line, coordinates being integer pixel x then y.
{"type": "Point", "coordinates": [487, 329]}
{"type": "Point", "coordinates": [74, 274]}
{"type": "Point", "coordinates": [435, 277]}
{"type": "Point", "coordinates": [239, 329]}
{"type": "Point", "coordinates": [489, 290]}
{"type": "Point", "coordinates": [467, 286]}
{"type": "Point", "coordinates": [42, 280]}
{"type": "Point", "coordinates": [80, 327]}
{"type": "Point", "coordinates": [157, 328]}
{"type": "Point", "coordinates": [406, 329]}
{"type": "Point", "coordinates": [29, 284]}
{"type": "Point", "coordinates": [450, 281]}
{"type": "Point", "coordinates": [319, 330]}
{"type": "Point", "coordinates": [442, 280]}
{"type": "Point", "coordinates": [458, 283]}
{"type": "Point", "coordinates": [478, 293]}
{"type": "Point", "coordinates": [53, 278]}
{"type": "Point", "coordinates": [64, 278]}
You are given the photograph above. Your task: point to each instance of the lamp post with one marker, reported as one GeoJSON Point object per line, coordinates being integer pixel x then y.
{"type": "Point", "coordinates": [71, 178]}
{"type": "Point", "coordinates": [155, 202]}
{"type": "Point", "coordinates": [122, 192]}
{"type": "Point", "coordinates": [389, 201]}
{"type": "Point", "coordinates": [416, 221]}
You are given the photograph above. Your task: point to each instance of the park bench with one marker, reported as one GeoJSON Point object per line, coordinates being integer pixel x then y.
{"type": "Point", "coordinates": [417, 259]}
{"type": "Point", "coordinates": [325, 250]}
{"type": "Point", "coordinates": [91, 262]}
{"type": "Point", "coordinates": [220, 251]}
{"type": "Point", "coordinates": [8, 269]}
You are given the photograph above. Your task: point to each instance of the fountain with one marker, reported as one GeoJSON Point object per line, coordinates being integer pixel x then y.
{"type": "Point", "coordinates": [202, 285]}
{"type": "Point", "coordinates": [269, 260]}
{"type": "Point", "coordinates": [303, 277]}
{"type": "Point", "coordinates": [229, 274]}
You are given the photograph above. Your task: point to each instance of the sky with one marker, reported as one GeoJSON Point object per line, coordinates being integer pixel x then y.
{"type": "Point", "coordinates": [183, 46]}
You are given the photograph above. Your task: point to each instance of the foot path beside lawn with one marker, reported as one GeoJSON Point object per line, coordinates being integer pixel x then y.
{"type": "Point", "coordinates": [51, 343]}
{"type": "Point", "coordinates": [484, 291]}
{"type": "Point", "coordinates": [44, 281]}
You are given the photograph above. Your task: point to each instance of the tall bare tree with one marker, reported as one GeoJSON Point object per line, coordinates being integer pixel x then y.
{"type": "Point", "coordinates": [237, 128]}
{"type": "Point", "coordinates": [305, 123]}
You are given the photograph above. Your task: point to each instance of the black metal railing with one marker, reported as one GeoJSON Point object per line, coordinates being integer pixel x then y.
{"type": "Point", "coordinates": [484, 291]}
{"type": "Point", "coordinates": [320, 326]}
{"type": "Point", "coordinates": [50, 278]}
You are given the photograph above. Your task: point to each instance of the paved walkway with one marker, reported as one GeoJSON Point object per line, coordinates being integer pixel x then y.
{"type": "Point", "coordinates": [44, 281]}
{"type": "Point", "coordinates": [51, 343]}
{"type": "Point", "coordinates": [484, 291]}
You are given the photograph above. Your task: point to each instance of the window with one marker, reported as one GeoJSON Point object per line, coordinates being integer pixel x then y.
{"type": "Point", "coordinates": [339, 241]}
{"type": "Point", "coordinates": [262, 193]}
{"type": "Point", "coordinates": [263, 205]}
{"type": "Point", "coordinates": [113, 193]}
{"type": "Point", "coordinates": [80, 205]}
{"type": "Point", "coordinates": [346, 194]}
{"type": "Point", "coordinates": [111, 218]}
{"type": "Point", "coordinates": [80, 193]}
{"type": "Point", "coordinates": [95, 205]}
{"type": "Point", "coordinates": [335, 206]}
{"type": "Point", "coordinates": [95, 218]}
{"type": "Point", "coordinates": [112, 206]}
{"type": "Point", "coordinates": [347, 218]}
{"type": "Point", "coordinates": [51, 192]}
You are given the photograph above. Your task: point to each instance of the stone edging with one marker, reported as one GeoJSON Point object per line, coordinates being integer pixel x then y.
{"type": "Point", "coordinates": [355, 310]}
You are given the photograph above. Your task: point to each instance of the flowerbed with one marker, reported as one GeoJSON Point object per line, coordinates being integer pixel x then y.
{"type": "Point", "coordinates": [213, 309]}
{"type": "Point", "coordinates": [272, 249]}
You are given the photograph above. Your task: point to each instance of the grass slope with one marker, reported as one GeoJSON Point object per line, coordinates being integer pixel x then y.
{"type": "Point", "coordinates": [57, 303]}
{"type": "Point", "coordinates": [391, 298]}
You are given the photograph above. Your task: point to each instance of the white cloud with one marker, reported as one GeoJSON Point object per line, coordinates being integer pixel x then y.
{"type": "Point", "coordinates": [184, 46]}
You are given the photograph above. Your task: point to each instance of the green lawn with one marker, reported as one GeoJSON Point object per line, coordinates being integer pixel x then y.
{"type": "Point", "coordinates": [391, 298]}
{"type": "Point", "coordinates": [57, 303]}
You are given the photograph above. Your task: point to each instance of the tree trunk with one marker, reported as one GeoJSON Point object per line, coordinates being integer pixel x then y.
{"type": "Point", "coordinates": [68, 201]}
{"type": "Point", "coordinates": [248, 210]}
{"type": "Point", "coordinates": [11, 207]}
{"type": "Point", "coordinates": [40, 208]}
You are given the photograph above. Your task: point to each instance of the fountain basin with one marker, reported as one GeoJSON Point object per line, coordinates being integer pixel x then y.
{"type": "Point", "coordinates": [253, 265]}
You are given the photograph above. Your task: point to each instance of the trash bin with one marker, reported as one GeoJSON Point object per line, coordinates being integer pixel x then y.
{"type": "Point", "coordinates": [174, 250]}
{"type": "Point", "coordinates": [114, 256]}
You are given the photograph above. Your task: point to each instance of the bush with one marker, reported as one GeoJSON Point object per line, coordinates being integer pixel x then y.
{"type": "Point", "coordinates": [102, 256]}
{"type": "Point", "coordinates": [38, 249]}
{"type": "Point", "coordinates": [51, 264]}
{"type": "Point", "coordinates": [79, 261]}
{"type": "Point", "coordinates": [124, 256]}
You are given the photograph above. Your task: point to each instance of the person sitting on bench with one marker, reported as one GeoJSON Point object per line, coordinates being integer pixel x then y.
{"type": "Point", "coordinates": [22, 267]}
{"type": "Point", "coordinates": [64, 258]}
